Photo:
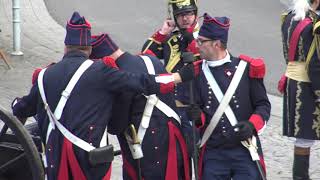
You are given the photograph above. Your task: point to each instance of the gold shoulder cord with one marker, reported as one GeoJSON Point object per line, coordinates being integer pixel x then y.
{"type": "Point", "coordinates": [315, 42]}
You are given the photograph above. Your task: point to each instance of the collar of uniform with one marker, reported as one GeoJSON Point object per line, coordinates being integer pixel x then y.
{"type": "Point", "coordinates": [75, 53]}
{"type": "Point", "coordinates": [219, 62]}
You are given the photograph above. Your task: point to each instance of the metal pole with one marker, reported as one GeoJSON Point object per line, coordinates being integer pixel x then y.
{"type": "Point", "coordinates": [16, 28]}
{"type": "Point", "coordinates": [194, 138]}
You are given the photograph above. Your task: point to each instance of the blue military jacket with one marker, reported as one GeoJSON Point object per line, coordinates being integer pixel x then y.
{"type": "Point", "coordinates": [129, 108]}
{"type": "Point", "coordinates": [132, 101]}
{"type": "Point", "coordinates": [87, 110]}
{"type": "Point", "coordinates": [249, 98]}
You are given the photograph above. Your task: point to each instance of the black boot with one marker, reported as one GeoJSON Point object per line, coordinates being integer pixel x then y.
{"type": "Point", "coordinates": [301, 163]}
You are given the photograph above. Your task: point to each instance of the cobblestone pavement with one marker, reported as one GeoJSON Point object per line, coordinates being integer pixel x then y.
{"type": "Point", "coordinates": [42, 43]}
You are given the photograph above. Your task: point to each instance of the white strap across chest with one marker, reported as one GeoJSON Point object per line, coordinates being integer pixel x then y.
{"type": "Point", "coordinates": [223, 99]}
{"type": "Point", "coordinates": [153, 101]}
{"type": "Point", "coordinates": [54, 117]}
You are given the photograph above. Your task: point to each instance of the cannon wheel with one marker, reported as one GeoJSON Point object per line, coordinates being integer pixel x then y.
{"type": "Point", "coordinates": [29, 149]}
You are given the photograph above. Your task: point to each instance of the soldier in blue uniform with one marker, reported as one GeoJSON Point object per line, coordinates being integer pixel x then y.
{"type": "Point", "coordinates": [230, 92]}
{"type": "Point", "coordinates": [81, 113]}
{"type": "Point", "coordinates": [300, 84]}
{"type": "Point", "coordinates": [169, 44]}
{"type": "Point", "coordinates": [160, 159]}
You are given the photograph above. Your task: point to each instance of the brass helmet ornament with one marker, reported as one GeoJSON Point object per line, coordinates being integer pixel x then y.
{"type": "Point", "coordinates": [180, 6]}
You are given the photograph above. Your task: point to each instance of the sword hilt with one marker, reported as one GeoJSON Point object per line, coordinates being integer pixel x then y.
{"type": "Point", "coordinates": [134, 142]}
{"type": "Point", "coordinates": [133, 136]}
{"type": "Point", "coordinates": [251, 145]}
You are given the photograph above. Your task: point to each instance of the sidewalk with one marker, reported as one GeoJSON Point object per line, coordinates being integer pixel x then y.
{"type": "Point", "coordinates": [42, 43]}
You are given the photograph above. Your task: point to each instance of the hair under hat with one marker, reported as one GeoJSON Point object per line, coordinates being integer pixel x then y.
{"type": "Point", "coordinates": [78, 31]}
{"type": "Point", "coordinates": [215, 28]}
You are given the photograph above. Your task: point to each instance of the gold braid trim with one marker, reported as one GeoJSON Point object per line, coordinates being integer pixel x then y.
{"type": "Point", "coordinates": [317, 92]}
{"type": "Point", "coordinates": [287, 110]}
{"type": "Point", "coordinates": [316, 121]}
{"type": "Point", "coordinates": [298, 106]}
{"type": "Point", "coordinates": [174, 55]}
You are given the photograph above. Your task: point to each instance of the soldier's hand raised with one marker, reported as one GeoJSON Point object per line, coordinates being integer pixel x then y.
{"type": "Point", "coordinates": [167, 27]}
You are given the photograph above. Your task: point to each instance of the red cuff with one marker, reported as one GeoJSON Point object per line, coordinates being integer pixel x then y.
{"type": "Point", "coordinates": [282, 83]}
{"type": "Point", "coordinates": [166, 88]}
{"type": "Point", "coordinates": [159, 37]}
{"type": "Point", "coordinates": [257, 121]}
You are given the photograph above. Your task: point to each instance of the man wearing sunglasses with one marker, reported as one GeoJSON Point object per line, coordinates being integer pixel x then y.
{"type": "Point", "coordinates": [231, 95]}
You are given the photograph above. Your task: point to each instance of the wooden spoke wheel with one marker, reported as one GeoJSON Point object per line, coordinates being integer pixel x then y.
{"type": "Point", "coordinates": [19, 155]}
